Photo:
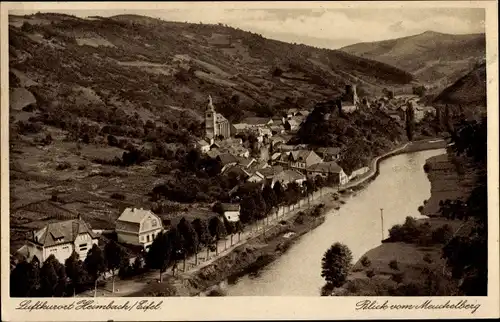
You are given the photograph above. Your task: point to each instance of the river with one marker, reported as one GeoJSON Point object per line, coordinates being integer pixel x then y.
{"type": "Point", "coordinates": [400, 189]}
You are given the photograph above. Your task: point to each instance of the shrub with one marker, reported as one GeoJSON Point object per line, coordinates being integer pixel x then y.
{"type": "Point", "coordinates": [393, 264]}
{"type": "Point", "coordinates": [365, 261]}
{"type": "Point", "coordinates": [398, 278]}
{"type": "Point", "coordinates": [420, 209]}
{"type": "Point", "coordinates": [370, 273]}
{"type": "Point", "coordinates": [81, 167]}
{"type": "Point", "coordinates": [118, 196]}
{"type": "Point", "coordinates": [427, 168]}
{"type": "Point", "coordinates": [442, 234]}
{"type": "Point", "coordinates": [427, 258]}
{"type": "Point", "coordinates": [63, 166]}
{"type": "Point", "coordinates": [216, 292]}
{"type": "Point", "coordinates": [336, 264]}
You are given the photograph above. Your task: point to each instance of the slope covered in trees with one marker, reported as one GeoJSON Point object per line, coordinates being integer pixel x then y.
{"type": "Point", "coordinates": [468, 90]}
{"type": "Point", "coordinates": [436, 59]}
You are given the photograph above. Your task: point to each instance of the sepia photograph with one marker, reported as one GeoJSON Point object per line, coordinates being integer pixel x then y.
{"type": "Point", "coordinates": [307, 151]}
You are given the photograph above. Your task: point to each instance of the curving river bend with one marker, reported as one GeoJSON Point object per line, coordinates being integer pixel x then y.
{"type": "Point", "coordinates": [399, 189]}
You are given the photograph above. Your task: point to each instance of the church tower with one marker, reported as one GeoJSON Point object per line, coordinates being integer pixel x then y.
{"type": "Point", "coordinates": [210, 117]}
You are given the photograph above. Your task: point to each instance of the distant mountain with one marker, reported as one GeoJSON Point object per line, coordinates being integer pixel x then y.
{"type": "Point", "coordinates": [468, 90]}
{"type": "Point", "coordinates": [436, 59]}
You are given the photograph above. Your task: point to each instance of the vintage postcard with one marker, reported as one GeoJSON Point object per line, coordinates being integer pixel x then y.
{"type": "Point", "coordinates": [249, 160]}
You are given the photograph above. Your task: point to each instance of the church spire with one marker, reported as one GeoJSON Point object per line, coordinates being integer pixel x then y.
{"type": "Point", "coordinates": [210, 105]}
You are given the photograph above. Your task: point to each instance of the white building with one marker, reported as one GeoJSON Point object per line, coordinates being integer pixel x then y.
{"type": "Point", "coordinates": [231, 212]}
{"type": "Point", "coordinates": [61, 239]}
{"type": "Point", "coordinates": [326, 169]}
{"type": "Point", "coordinates": [138, 227]}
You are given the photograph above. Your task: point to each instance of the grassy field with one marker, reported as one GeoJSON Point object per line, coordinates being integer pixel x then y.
{"type": "Point", "coordinates": [397, 263]}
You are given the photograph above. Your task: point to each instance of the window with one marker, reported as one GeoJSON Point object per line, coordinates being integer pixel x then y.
{"type": "Point", "coordinates": [154, 223]}
{"type": "Point", "coordinates": [53, 250]}
{"type": "Point", "coordinates": [83, 247]}
{"type": "Point", "coordinates": [65, 247]}
{"type": "Point", "coordinates": [148, 238]}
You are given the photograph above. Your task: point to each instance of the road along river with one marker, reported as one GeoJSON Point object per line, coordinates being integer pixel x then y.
{"type": "Point", "coordinates": [400, 188]}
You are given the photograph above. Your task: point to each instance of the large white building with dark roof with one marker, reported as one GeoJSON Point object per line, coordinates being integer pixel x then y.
{"type": "Point", "coordinates": [60, 239]}
{"type": "Point", "coordinates": [138, 227]}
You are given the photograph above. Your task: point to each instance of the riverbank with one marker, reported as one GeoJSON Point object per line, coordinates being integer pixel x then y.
{"type": "Point", "coordinates": [415, 267]}
{"type": "Point", "coordinates": [244, 259]}
{"type": "Point", "coordinates": [235, 260]}
{"type": "Point", "coordinates": [266, 252]}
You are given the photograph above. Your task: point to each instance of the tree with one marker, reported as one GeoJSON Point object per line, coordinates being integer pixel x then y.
{"type": "Point", "coordinates": [310, 187]}
{"type": "Point", "coordinates": [238, 227]}
{"type": "Point", "coordinates": [176, 243]}
{"type": "Point", "coordinates": [320, 183]}
{"type": "Point", "coordinates": [292, 193]}
{"type": "Point", "coordinates": [336, 264]}
{"type": "Point", "coordinates": [52, 278]}
{"type": "Point", "coordinates": [419, 90]}
{"type": "Point", "coordinates": [193, 160]}
{"type": "Point", "coordinates": [201, 229]}
{"type": "Point", "coordinates": [280, 194]}
{"type": "Point", "coordinates": [270, 199]}
{"type": "Point", "coordinates": [115, 256]}
{"type": "Point", "coordinates": [75, 272]}
{"type": "Point", "coordinates": [248, 209]}
{"type": "Point", "coordinates": [95, 264]}
{"type": "Point", "coordinates": [24, 280]}
{"type": "Point", "coordinates": [189, 237]}
{"type": "Point", "coordinates": [217, 230]}
{"type": "Point", "coordinates": [160, 253]}
{"type": "Point", "coordinates": [230, 228]}
{"type": "Point", "coordinates": [410, 122]}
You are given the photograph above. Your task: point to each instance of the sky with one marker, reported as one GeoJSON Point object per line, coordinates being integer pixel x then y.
{"type": "Point", "coordinates": [321, 27]}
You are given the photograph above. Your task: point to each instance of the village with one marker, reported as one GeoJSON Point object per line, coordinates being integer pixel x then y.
{"type": "Point", "coordinates": [268, 162]}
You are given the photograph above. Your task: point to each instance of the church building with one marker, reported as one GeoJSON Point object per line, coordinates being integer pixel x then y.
{"type": "Point", "coordinates": [215, 124]}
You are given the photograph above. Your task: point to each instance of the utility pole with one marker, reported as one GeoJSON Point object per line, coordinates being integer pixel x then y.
{"type": "Point", "coordinates": [382, 220]}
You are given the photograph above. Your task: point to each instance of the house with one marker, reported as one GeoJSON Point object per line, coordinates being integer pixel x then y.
{"type": "Point", "coordinates": [231, 146]}
{"type": "Point", "coordinates": [299, 159]}
{"type": "Point", "coordinates": [263, 132]}
{"type": "Point", "coordinates": [138, 227]}
{"type": "Point", "coordinates": [359, 172]}
{"type": "Point", "coordinates": [278, 120]}
{"type": "Point", "coordinates": [269, 172]}
{"type": "Point", "coordinates": [292, 125]}
{"type": "Point", "coordinates": [329, 153]}
{"type": "Point", "coordinates": [203, 146]}
{"type": "Point", "coordinates": [288, 176]}
{"type": "Point", "coordinates": [245, 162]}
{"type": "Point", "coordinates": [291, 112]}
{"type": "Point", "coordinates": [326, 169]}
{"type": "Point", "coordinates": [254, 122]}
{"type": "Point", "coordinates": [226, 160]}
{"type": "Point", "coordinates": [237, 171]}
{"type": "Point", "coordinates": [277, 139]}
{"type": "Point", "coordinates": [255, 177]}
{"type": "Point", "coordinates": [231, 212]}
{"type": "Point", "coordinates": [285, 147]}
{"type": "Point", "coordinates": [277, 129]}
{"type": "Point", "coordinates": [61, 239]}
